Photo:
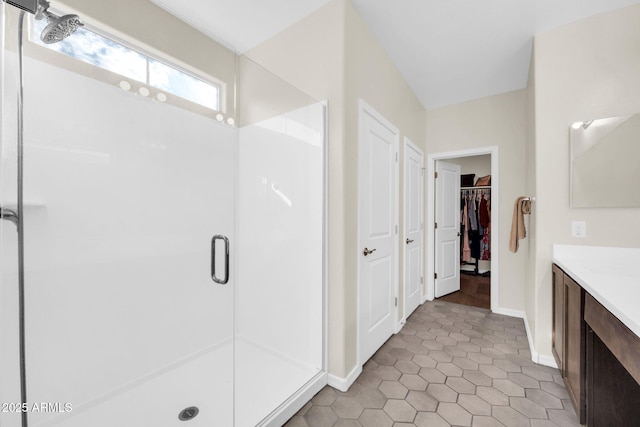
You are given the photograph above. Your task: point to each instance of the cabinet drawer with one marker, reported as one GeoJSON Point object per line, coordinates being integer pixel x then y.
{"type": "Point", "coordinates": [624, 344]}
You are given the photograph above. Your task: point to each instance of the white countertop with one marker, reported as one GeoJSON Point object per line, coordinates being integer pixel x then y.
{"type": "Point", "coordinates": [610, 275]}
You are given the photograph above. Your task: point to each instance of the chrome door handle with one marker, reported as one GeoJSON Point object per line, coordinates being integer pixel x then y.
{"type": "Point", "coordinates": [226, 259]}
{"type": "Point", "coordinates": [409, 241]}
{"type": "Point", "coordinates": [366, 251]}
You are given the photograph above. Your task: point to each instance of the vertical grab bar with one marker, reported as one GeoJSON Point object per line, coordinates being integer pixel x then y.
{"type": "Point", "coordinates": [226, 259]}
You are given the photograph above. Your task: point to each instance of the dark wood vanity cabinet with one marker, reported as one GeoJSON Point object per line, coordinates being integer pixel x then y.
{"type": "Point", "coordinates": [574, 346]}
{"type": "Point", "coordinates": [569, 337]}
{"type": "Point", "coordinates": [598, 356]}
{"type": "Point", "coordinates": [557, 343]}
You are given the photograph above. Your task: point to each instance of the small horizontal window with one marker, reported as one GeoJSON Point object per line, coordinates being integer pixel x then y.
{"type": "Point", "coordinates": [96, 49]}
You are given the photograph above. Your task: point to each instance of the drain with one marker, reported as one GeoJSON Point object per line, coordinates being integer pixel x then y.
{"type": "Point", "coordinates": [188, 413]}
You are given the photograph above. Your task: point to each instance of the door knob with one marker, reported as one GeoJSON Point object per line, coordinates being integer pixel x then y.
{"type": "Point", "coordinates": [409, 241]}
{"type": "Point", "coordinates": [366, 251]}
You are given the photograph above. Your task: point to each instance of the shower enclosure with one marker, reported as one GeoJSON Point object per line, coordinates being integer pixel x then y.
{"type": "Point", "coordinates": [173, 246]}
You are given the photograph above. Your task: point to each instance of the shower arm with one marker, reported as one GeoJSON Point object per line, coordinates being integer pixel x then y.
{"type": "Point", "coordinates": [9, 215]}
{"type": "Point", "coordinates": [42, 10]}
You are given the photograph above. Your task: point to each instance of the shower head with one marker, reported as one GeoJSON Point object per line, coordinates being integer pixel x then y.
{"type": "Point", "coordinates": [59, 28]}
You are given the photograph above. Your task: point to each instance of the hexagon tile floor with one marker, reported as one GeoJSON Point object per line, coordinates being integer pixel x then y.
{"type": "Point", "coordinates": [451, 365]}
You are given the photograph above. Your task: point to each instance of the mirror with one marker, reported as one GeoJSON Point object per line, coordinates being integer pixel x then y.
{"type": "Point", "coordinates": [605, 166]}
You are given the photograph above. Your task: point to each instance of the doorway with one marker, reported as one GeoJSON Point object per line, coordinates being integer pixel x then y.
{"type": "Point", "coordinates": [477, 281]}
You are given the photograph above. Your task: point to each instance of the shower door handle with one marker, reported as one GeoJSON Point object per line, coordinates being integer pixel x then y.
{"type": "Point", "coordinates": [215, 278]}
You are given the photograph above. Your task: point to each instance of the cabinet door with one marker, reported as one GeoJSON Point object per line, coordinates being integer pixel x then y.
{"type": "Point", "coordinates": [613, 369]}
{"type": "Point", "coordinates": [574, 348]}
{"type": "Point", "coordinates": [614, 395]}
{"type": "Point", "coordinates": [557, 344]}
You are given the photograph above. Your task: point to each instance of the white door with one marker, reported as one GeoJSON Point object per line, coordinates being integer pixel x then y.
{"type": "Point", "coordinates": [377, 226]}
{"type": "Point", "coordinates": [447, 228]}
{"type": "Point", "coordinates": [413, 226]}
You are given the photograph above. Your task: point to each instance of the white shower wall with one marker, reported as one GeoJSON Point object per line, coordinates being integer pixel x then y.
{"type": "Point", "coordinates": [122, 197]}
{"type": "Point", "coordinates": [280, 234]}
{"type": "Point", "coordinates": [279, 306]}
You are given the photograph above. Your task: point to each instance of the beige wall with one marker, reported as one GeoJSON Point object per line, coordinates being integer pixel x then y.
{"type": "Point", "coordinates": [332, 55]}
{"type": "Point", "coordinates": [478, 165]}
{"type": "Point", "coordinates": [588, 69]}
{"type": "Point", "coordinates": [262, 95]}
{"type": "Point", "coordinates": [530, 189]}
{"type": "Point", "coordinates": [492, 121]}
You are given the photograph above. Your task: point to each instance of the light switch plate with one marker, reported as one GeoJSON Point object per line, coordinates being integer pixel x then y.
{"type": "Point", "coordinates": [579, 229]}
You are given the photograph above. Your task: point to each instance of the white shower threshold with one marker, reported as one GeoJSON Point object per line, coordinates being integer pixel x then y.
{"type": "Point", "coordinates": [269, 389]}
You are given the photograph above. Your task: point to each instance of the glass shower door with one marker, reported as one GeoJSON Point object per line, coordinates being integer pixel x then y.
{"type": "Point", "coordinates": [279, 299]}
{"type": "Point", "coordinates": [123, 196]}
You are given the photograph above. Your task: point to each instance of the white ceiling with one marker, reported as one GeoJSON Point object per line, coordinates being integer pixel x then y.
{"type": "Point", "coordinates": [241, 24]}
{"type": "Point", "coordinates": [449, 51]}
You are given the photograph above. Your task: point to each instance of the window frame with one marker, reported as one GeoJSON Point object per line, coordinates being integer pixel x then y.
{"type": "Point", "coordinates": [163, 59]}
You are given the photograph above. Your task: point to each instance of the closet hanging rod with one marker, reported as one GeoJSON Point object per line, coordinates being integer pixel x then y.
{"type": "Point", "coordinates": [480, 187]}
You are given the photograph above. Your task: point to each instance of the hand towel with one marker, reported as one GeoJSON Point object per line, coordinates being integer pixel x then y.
{"type": "Point", "coordinates": [521, 207]}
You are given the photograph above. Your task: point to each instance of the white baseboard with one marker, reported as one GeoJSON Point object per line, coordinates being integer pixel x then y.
{"type": "Point", "coordinates": [547, 361]}
{"type": "Point", "coordinates": [535, 356]}
{"type": "Point", "coordinates": [343, 384]}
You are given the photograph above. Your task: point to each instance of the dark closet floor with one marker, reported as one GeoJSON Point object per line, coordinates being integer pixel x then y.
{"type": "Point", "coordinates": [474, 291]}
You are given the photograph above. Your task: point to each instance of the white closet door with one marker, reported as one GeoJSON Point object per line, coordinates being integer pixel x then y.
{"type": "Point", "coordinates": [447, 232]}
{"type": "Point", "coordinates": [413, 226]}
